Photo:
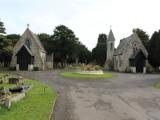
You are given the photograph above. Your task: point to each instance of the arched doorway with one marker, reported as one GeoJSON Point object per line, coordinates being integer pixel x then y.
{"type": "Point", "coordinates": [24, 58]}
{"type": "Point", "coordinates": [138, 60]}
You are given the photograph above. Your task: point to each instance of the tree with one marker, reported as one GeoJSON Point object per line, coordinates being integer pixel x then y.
{"type": "Point", "coordinates": [6, 46]}
{"type": "Point", "coordinates": [82, 54]}
{"type": "Point", "coordinates": [45, 40]}
{"type": "Point", "coordinates": [5, 51]}
{"type": "Point", "coordinates": [154, 49]}
{"type": "Point", "coordinates": [2, 28]}
{"type": "Point", "coordinates": [65, 41]}
{"type": "Point", "coordinates": [143, 36]}
{"type": "Point", "coordinates": [99, 52]}
{"type": "Point", "coordinates": [13, 38]}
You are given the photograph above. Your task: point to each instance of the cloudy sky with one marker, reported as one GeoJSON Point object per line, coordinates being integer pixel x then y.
{"type": "Point", "coordinates": [87, 18]}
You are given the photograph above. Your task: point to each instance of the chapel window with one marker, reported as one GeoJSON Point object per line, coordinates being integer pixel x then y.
{"type": "Point", "coordinates": [28, 43]}
{"type": "Point", "coordinates": [111, 46]}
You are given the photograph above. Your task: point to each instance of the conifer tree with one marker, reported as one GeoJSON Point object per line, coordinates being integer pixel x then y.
{"type": "Point", "coordinates": [2, 28]}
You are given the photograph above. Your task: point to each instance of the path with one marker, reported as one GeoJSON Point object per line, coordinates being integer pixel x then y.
{"type": "Point", "coordinates": [124, 97]}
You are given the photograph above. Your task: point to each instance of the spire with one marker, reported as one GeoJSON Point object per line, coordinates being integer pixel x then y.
{"type": "Point", "coordinates": [111, 36]}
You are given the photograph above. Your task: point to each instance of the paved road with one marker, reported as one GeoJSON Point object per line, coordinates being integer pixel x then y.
{"type": "Point", "coordinates": [124, 97]}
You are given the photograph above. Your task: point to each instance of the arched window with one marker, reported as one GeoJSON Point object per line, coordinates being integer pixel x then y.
{"type": "Point", "coordinates": [28, 43]}
{"type": "Point", "coordinates": [111, 46]}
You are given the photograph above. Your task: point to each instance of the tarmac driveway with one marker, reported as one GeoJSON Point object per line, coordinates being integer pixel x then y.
{"type": "Point", "coordinates": [124, 97]}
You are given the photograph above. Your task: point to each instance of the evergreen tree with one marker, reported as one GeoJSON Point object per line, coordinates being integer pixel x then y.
{"type": "Point", "coordinates": [2, 28]}
{"type": "Point", "coordinates": [144, 37]}
{"type": "Point", "coordinates": [99, 52]}
{"type": "Point", "coordinates": [45, 40]}
{"type": "Point", "coordinates": [154, 50]}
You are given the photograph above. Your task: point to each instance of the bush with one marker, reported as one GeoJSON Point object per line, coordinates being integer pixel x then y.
{"type": "Point", "coordinates": [72, 67]}
{"type": "Point", "coordinates": [92, 67]}
{"type": "Point", "coordinates": [149, 68]}
{"type": "Point", "coordinates": [128, 70]}
{"type": "Point", "coordinates": [97, 67]}
{"type": "Point", "coordinates": [88, 68]}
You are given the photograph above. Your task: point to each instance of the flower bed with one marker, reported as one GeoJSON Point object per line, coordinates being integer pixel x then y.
{"type": "Point", "coordinates": [99, 72]}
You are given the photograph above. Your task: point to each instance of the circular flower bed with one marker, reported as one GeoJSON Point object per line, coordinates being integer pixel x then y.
{"type": "Point", "coordinates": [86, 76]}
{"type": "Point", "coordinates": [99, 72]}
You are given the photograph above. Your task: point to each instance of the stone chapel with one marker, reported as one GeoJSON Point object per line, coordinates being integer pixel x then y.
{"type": "Point", "coordinates": [129, 56]}
{"type": "Point", "coordinates": [28, 52]}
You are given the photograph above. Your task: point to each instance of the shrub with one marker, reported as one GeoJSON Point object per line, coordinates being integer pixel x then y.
{"type": "Point", "coordinates": [88, 68]}
{"type": "Point", "coordinates": [97, 67]}
{"type": "Point", "coordinates": [73, 67]}
{"type": "Point", "coordinates": [128, 70]}
{"type": "Point", "coordinates": [92, 67]}
{"type": "Point", "coordinates": [149, 68]}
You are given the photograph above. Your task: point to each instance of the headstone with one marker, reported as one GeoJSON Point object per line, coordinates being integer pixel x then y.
{"type": "Point", "coordinates": [17, 67]}
{"type": "Point", "coordinates": [2, 92]}
{"type": "Point", "coordinates": [13, 80]}
{"type": "Point", "coordinates": [7, 103]}
{"type": "Point", "coordinates": [1, 81]}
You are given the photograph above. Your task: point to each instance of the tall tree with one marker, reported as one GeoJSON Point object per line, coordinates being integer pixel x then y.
{"type": "Point", "coordinates": [82, 54]}
{"type": "Point", "coordinates": [99, 52]}
{"type": "Point", "coordinates": [142, 35]}
{"type": "Point", "coordinates": [65, 41]}
{"type": "Point", "coordinates": [6, 47]}
{"type": "Point", "coordinates": [2, 28]}
{"type": "Point", "coordinates": [45, 40]}
{"type": "Point", "coordinates": [154, 49]}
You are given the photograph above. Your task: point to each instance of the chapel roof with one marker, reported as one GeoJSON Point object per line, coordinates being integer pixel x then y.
{"type": "Point", "coordinates": [32, 36]}
{"type": "Point", "coordinates": [36, 39]}
{"type": "Point", "coordinates": [125, 43]}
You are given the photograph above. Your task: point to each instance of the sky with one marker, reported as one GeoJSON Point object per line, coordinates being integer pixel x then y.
{"type": "Point", "coordinates": [87, 18]}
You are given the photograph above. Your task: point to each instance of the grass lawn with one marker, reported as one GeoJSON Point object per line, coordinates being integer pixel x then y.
{"type": "Point", "coordinates": [157, 85]}
{"type": "Point", "coordinates": [85, 76]}
{"type": "Point", "coordinates": [36, 105]}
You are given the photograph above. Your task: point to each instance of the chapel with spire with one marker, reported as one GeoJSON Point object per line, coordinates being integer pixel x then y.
{"type": "Point", "coordinates": [129, 56]}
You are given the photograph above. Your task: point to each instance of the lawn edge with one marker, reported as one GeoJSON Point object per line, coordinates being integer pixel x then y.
{"type": "Point", "coordinates": [156, 85]}
{"type": "Point", "coordinates": [53, 107]}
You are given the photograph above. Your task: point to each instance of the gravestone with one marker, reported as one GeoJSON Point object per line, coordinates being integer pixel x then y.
{"type": "Point", "coordinates": [1, 81]}
{"type": "Point", "coordinates": [13, 80]}
{"type": "Point", "coordinates": [2, 92]}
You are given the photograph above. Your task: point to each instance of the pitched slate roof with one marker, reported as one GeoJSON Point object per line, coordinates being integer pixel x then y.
{"type": "Point", "coordinates": [32, 36]}
{"type": "Point", "coordinates": [38, 41]}
{"type": "Point", "coordinates": [111, 36]}
{"type": "Point", "coordinates": [124, 44]}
